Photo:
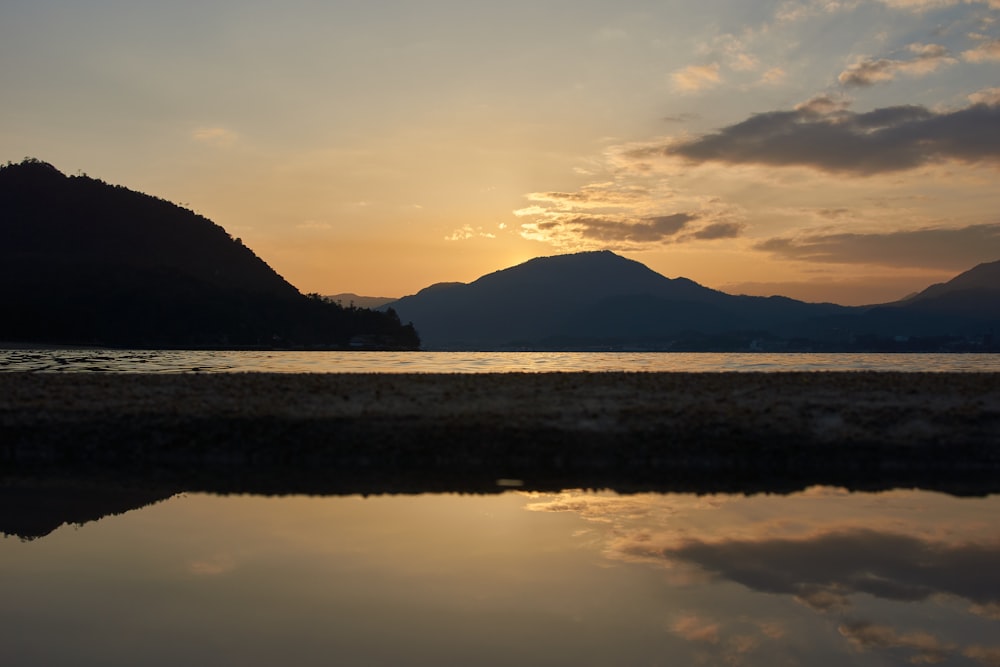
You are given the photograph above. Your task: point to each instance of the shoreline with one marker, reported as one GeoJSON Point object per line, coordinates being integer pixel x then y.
{"type": "Point", "coordinates": [318, 433]}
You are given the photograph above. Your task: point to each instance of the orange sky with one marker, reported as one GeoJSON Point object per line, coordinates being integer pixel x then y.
{"type": "Point", "coordinates": [841, 150]}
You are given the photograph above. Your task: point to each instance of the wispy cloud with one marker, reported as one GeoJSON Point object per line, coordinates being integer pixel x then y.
{"type": "Point", "coordinates": [466, 232]}
{"type": "Point", "coordinates": [625, 213]}
{"type": "Point", "coordinates": [989, 656]}
{"type": "Point", "coordinates": [868, 71]}
{"type": "Point", "coordinates": [215, 136]}
{"type": "Point", "coordinates": [839, 141]}
{"type": "Point", "coordinates": [987, 50]}
{"type": "Point", "coordinates": [774, 76]}
{"type": "Point", "coordinates": [314, 225]}
{"type": "Point", "coordinates": [213, 565]}
{"type": "Point", "coordinates": [594, 195]}
{"type": "Point", "coordinates": [695, 628]}
{"type": "Point", "coordinates": [695, 78]}
{"type": "Point", "coordinates": [797, 10]}
{"type": "Point", "coordinates": [925, 5]}
{"type": "Point", "coordinates": [867, 636]}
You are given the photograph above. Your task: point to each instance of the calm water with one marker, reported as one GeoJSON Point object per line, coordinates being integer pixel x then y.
{"type": "Point", "coordinates": [822, 577]}
{"type": "Point", "coordinates": [184, 361]}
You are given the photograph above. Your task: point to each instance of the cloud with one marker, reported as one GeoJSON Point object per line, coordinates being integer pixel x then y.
{"type": "Point", "coordinates": [680, 118]}
{"type": "Point", "coordinates": [719, 230]}
{"type": "Point", "coordinates": [625, 213]}
{"type": "Point", "coordinates": [919, 5]}
{"type": "Point", "coordinates": [925, 5]}
{"type": "Point", "coordinates": [607, 231]}
{"type": "Point", "coordinates": [774, 76]}
{"type": "Point", "coordinates": [933, 247]}
{"type": "Point", "coordinates": [595, 508]}
{"type": "Point", "coordinates": [213, 565]}
{"type": "Point", "coordinates": [215, 136]}
{"type": "Point", "coordinates": [695, 628]}
{"type": "Point", "coordinates": [823, 105]}
{"type": "Point", "coordinates": [985, 655]}
{"type": "Point", "coordinates": [867, 636]}
{"type": "Point", "coordinates": [695, 78]}
{"type": "Point", "coordinates": [825, 569]}
{"type": "Point", "coordinates": [879, 141]}
{"type": "Point", "coordinates": [988, 50]}
{"type": "Point", "coordinates": [594, 195]}
{"type": "Point", "coordinates": [466, 232]}
{"type": "Point", "coordinates": [869, 71]}
{"type": "Point", "coordinates": [796, 10]}
{"type": "Point", "coordinates": [313, 225]}
{"type": "Point", "coordinates": [990, 96]}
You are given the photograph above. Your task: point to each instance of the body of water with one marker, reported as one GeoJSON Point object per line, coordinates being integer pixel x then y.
{"type": "Point", "coordinates": [226, 361]}
{"type": "Point", "coordinates": [823, 577]}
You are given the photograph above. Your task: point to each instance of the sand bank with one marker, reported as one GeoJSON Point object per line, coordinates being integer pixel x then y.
{"type": "Point", "coordinates": [570, 429]}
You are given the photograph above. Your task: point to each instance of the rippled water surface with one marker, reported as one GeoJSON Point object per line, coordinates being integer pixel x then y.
{"type": "Point", "coordinates": [823, 577]}
{"type": "Point", "coordinates": [185, 361]}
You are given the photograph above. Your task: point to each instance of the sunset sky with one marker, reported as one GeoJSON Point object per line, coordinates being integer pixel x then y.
{"type": "Point", "coordinates": [842, 150]}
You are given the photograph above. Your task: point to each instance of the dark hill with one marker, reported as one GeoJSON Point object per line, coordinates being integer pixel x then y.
{"type": "Point", "coordinates": [981, 277]}
{"type": "Point", "coordinates": [599, 300]}
{"type": "Point", "coordinates": [85, 262]}
{"type": "Point", "coordinates": [974, 294]}
{"type": "Point", "coordinates": [968, 305]}
{"type": "Point", "coordinates": [592, 299]}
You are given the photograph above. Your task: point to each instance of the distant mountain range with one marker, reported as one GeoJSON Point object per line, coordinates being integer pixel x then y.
{"type": "Point", "coordinates": [600, 300]}
{"type": "Point", "coordinates": [87, 263]}
{"type": "Point", "coordinates": [84, 262]}
{"type": "Point", "coordinates": [348, 299]}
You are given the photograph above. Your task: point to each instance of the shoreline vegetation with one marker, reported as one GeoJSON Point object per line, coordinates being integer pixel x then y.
{"type": "Point", "coordinates": [481, 433]}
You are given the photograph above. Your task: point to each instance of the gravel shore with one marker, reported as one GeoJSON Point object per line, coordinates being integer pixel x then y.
{"type": "Point", "coordinates": [457, 432]}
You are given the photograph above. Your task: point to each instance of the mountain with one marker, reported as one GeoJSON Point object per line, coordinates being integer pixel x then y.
{"type": "Point", "coordinates": [974, 294]}
{"type": "Point", "coordinates": [85, 262]}
{"type": "Point", "coordinates": [600, 300]}
{"type": "Point", "coordinates": [966, 306]}
{"type": "Point", "coordinates": [594, 299]}
{"type": "Point", "coordinates": [351, 299]}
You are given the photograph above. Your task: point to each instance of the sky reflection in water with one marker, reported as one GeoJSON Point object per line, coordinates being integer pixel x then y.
{"type": "Point", "coordinates": [822, 577]}
{"type": "Point", "coordinates": [284, 361]}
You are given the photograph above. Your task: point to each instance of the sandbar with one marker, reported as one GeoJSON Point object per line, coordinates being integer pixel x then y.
{"type": "Point", "coordinates": [412, 432]}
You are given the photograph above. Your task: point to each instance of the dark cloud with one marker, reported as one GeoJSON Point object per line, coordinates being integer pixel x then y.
{"type": "Point", "coordinates": [869, 71]}
{"type": "Point", "coordinates": [680, 118]}
{"type": "Point", "coordinates": [653, 229]}
{"type": "Point", "coordinates": [942, 248]}
{"type": "Point", "coordinates": [718, 230]}
{"type": "Point", "coordinates": [625, 232]}
{"type": "Point", "coordinates": [879, 141]}
{"type": "Point", "coordinates": [833, 212]}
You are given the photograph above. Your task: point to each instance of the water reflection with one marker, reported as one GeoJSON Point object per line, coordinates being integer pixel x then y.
{"type": "Point", "coordinates": [909, 575]}
{"type": "Point", "coordinates": [822, 577]}
{"type": "Point", "coordinates": [228, 361]}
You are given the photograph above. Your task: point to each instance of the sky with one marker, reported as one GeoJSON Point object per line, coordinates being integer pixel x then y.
{"type": "Point", "coordinates": [828, 150]}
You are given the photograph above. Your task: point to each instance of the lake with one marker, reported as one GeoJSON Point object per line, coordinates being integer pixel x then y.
{"type": "Point", "coordinates": [91, 574]}
{"type": "Point", "coordinates": [819, 577]}
{"type": "Point", "coordinates": [226, 361]}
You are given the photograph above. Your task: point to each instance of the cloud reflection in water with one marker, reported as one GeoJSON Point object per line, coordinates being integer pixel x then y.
{"type": "Point", "coordinates": [904, 573]}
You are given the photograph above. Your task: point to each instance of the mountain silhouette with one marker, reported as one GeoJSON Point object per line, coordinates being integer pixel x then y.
{"type": "Point", "coordinates": [85, 262]}
{"type": "Point", "coordinates": [600, 300]}
{"type": "Point", "coordinates": [35, 510]}
{"type": "Point", "coordinates": [590, 299]}
{"type": "Point", "coordinates": [967, 306]}
{"type": "Point", "coordinates": [974, 294]}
